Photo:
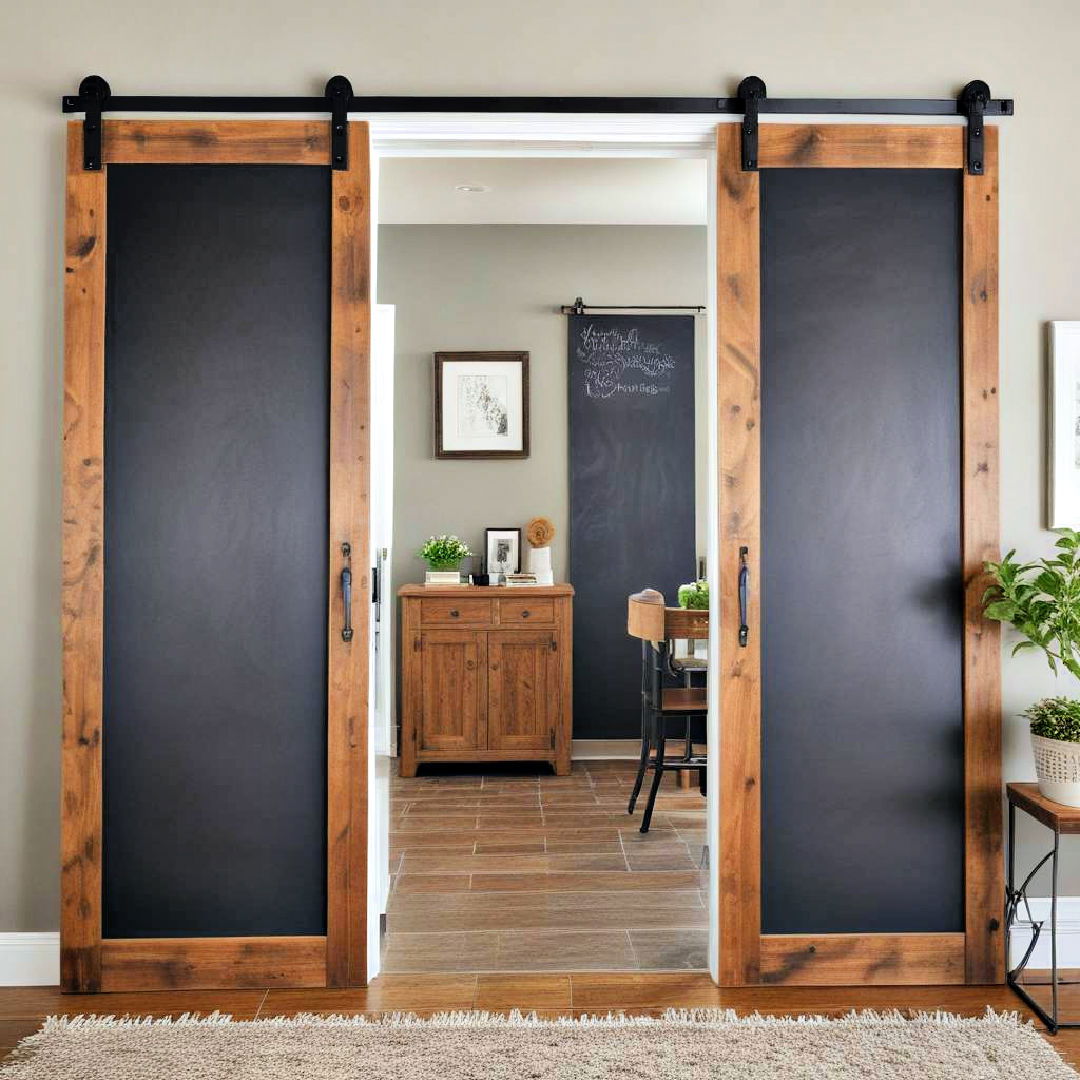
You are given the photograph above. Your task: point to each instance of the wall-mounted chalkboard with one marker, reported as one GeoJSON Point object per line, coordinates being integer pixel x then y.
{"type": "Point", "coordinates": [631, 497]}
{"type": "Point", "coordinates": [216, 566]}
{"type": "Point", "coordinates": [862, 758]}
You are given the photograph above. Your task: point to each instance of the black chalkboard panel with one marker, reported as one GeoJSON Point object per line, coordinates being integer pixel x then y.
{"type": "Point", "coordinates": [862, 777]}
{"type": "Point", "coordinates": [216, 465]}
{"type": "Point", "coordinates": [631, 497]}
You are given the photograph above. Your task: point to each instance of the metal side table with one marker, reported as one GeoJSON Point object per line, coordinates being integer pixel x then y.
{"type": "Point", "coordinates": [1062, 821]}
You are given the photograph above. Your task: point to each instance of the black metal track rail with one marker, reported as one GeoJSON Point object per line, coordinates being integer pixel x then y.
{"type": "Point", "coordinates": [667, 106]}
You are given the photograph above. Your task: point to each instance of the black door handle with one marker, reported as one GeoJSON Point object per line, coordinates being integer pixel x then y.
{"type": "Point", "coordinates": [346, 592]}
{"type": "Point", "coordinates": [744, 594]}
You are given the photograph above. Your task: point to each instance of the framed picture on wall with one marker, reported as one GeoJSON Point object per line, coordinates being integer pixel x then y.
{"type": "Point", "coordinates": [502, 551]}
{"type": "Point", "coordinates": [481, 404]}
{"type": "Point", "coordinates": [1063, 425]}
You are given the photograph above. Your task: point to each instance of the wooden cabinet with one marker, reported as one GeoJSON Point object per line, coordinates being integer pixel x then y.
{"type": "Point", "coordinates": [486, 674]}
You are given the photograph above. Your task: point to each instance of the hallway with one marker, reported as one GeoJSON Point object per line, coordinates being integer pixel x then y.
{"type": "Point", "coordinates": [511, 869]}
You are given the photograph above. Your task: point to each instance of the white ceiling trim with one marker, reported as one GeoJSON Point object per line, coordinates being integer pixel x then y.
{"type": "Point", "coordinates": [531, 135]}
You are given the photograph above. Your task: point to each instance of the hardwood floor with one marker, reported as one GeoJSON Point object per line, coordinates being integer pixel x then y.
{"type": "Point", "coordinates": [496, 868]}
{"type": "Point", "coordinates": [641, 993]}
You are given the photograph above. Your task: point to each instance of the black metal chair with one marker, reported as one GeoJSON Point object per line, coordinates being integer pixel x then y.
{"type": "Point", "coordinates": [648, 620]}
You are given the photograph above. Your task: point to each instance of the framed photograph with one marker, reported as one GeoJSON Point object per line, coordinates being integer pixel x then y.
{"type": "Point", "coordinates": [1063, 423]}
{"type": "Point", "coordinates": [502, 551]}
{"type": "Point", "coordinates": [481, 404]}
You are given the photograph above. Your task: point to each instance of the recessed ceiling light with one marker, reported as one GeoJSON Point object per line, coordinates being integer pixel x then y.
{"type": "Point", "coordinates": [471, 189]}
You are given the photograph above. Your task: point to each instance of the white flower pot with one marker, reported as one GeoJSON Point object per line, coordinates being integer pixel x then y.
{"type": "Point", "coordinates": [1057, 765]}
{"type": "Point", "coordinates": [538, 562]}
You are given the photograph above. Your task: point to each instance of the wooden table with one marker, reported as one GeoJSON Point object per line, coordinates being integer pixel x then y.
{"type": "Point", "coordinates": [691, 624]}
{"type": "Point", "coordinates": [1061, 820]}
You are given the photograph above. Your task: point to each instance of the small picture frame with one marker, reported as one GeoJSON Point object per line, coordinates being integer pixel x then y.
{"type": "Point", "coordinates": [502, 552]}
{"type": "Point", "coordinates": [1063, 426]}
{"type": "Point", "coordinates": [481, 404]}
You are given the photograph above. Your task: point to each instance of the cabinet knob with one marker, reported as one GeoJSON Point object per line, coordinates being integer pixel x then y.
{"type": "Point", "coordinates": [455, 613]}
{"type": "Point", "coordinates": [525, 613]}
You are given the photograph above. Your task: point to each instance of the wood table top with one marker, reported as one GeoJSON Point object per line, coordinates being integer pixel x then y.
{"type": "Point", "coordinates": [563, 589]}
{"type": "Point", "coordinates": [1056, 816]}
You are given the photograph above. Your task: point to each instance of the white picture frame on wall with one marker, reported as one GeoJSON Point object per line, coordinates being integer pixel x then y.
{"type": "Point", "coordinates": [1063, 426]}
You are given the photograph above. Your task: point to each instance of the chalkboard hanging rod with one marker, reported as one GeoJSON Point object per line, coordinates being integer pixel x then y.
{"type": "Point", "coordinates": [579, 307]}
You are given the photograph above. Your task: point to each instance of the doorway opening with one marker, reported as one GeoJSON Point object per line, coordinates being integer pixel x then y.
{"type": "Point", "coordinates": [500, 854]}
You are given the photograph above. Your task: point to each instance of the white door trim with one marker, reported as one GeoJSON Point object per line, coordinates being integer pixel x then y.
{"type": "Point", "coordinates": [471, 135]}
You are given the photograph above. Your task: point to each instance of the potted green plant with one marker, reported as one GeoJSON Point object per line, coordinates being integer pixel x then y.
{"type": "Point", "coordinates": [695, 595]}
{"type": "Point", "coordinates": [1041, 600]}
{"type": "Point", "coordinates": [444, 552]}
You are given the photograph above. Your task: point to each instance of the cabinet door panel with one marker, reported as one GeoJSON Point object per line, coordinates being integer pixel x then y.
{"type": "Point", "coordinates": [523, 690]}
{"type": "Point", "coordinates": [452, 690]}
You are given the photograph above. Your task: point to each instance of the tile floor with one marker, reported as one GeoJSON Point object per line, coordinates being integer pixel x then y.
{"type": "Point", "coordinates": [507, 868]}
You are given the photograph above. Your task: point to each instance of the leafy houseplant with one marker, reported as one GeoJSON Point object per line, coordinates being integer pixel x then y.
{"type": "Point", "coordinates": [444, 552]}
{"type": "Point", "coordinates": [1055, 718]}
{"type": "Point", "coordinates": [694, 596]}
{"type": "Point", "coordinates": [1041, 600]}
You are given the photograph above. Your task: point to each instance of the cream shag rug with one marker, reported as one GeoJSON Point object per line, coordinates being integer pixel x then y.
{"type": "Point", "coordinates": [692, 1045]}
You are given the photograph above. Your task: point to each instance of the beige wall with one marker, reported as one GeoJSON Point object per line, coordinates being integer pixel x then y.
{"type": "Point", "coordinates": [801, 47]}
{"type": "Point", "coordinates": [498, 287]}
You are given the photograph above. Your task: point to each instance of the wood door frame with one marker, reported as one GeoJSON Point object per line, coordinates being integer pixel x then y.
{"type": "Point", "coordinates": [88, 963]}
{"type": "Point", "coordinates": [747, 957]}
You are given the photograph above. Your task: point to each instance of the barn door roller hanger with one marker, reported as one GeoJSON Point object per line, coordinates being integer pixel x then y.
{"type": "Point", "coordinates": [973, 102]}
{"type": "Point", "coordinates": [751, 100]}
{"type": "Point", "coordinates": [95, 95]}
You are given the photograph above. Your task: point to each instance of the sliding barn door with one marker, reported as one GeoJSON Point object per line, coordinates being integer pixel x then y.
{"type": "Point", "coordinates": [859, 812]}
{"type": "Point", "coordinates": [215, 488]}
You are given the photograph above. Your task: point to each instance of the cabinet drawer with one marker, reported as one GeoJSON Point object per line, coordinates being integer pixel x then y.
{"type": "Point", "coordinates": [526, 611]}
{"type": "Point", "coordinates": [450, 611]}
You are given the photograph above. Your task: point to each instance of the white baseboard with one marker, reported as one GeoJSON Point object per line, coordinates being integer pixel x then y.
{"type": "Point", "coordinates": [597, 749]}
{"type": "Point", "coordinates": [1068, 934]}
{"type": "Point", "coordinates": [30, 959]}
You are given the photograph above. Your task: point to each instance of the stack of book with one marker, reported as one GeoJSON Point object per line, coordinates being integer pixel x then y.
{"type": "Point", "coordinates": [521, 579]}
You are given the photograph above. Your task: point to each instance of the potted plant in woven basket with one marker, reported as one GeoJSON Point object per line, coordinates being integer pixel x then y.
{"type": "Point", "coordinates": [1041, 600]}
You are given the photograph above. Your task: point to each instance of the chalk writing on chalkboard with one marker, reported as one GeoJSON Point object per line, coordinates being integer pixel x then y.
{"type": "Point", "coordinates": [622, 361]}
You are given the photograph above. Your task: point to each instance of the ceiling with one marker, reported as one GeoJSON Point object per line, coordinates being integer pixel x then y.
{"type": "Point", "coordinates": [542, 191]}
